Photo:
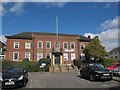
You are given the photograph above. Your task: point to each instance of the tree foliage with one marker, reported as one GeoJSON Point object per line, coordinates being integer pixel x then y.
{"type": "Point", "coordinates": [94, 49]}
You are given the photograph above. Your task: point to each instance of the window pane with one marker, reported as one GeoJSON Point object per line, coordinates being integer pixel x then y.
{"type": "Point", "coordinates": [72, 56]}
{"type": "Point", "coordinates": [72, 46]}
{"type": "Point", "coordinates": [27, 45]}
{"type": "Point", "coordinates": [48, 44]}
{"type": "Point", "coordinates": [65, 45]}
{"type": "Point", "coordinates": [40, 44]}
{"type": "Point", "coordinates": [27, 55]}
{"type": "Point", "coordinates": [65, 56]}
{"type": "Point", "coordinates": [39, 56]}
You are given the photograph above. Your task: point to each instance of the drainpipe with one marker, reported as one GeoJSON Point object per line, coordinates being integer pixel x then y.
{"type": "Point", "coordinates": [32, 46]}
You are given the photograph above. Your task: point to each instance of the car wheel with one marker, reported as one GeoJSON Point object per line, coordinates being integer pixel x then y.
{"type": "Point", "coordinates": [91, 77]}
{"type": "Point", "coordinates": [81, 75]}
{"type": "Point", "coordinates": [24, 82]}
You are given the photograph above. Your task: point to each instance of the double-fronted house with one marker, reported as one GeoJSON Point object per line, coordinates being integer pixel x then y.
{"type": "Point", "coordinates": [114, 53]}
{"type": "Point", "coordinates": [61, 48]}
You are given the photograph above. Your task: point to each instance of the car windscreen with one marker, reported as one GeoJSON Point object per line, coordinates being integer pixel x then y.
{"type": "Point", "coordinates": [96, 66]}
{"type": "Point", "coordinates": [14, 70]}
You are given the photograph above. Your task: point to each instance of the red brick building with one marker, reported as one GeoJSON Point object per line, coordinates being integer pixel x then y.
{"type": "Point", "coordinates": [37, 45]}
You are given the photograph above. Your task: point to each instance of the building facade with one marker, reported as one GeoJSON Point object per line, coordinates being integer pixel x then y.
{"type": "Point", "coordinates": [36, 45]}
{"type": "Point", "coordinates": [2, 50]}
{"type": "Point", "coordinates": [114, 53]}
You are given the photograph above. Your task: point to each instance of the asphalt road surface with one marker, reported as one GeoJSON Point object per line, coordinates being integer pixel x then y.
{"type": "Point", "coordinates": [65, 80]}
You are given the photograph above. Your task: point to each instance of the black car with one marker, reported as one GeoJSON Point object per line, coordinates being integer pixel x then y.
{"type": "Point", "coordinates": [95, 71]}
{"type": "Point", "coordinates": [14, 77]}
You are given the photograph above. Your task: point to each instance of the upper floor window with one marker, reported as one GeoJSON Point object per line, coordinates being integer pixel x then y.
{"type": "Point", "coordinates": [82, 46]}
{"type": "Point", "coordinates": [48, 44]}
{"type": "Point", "coordinates": [40, 44]}
{"type": "Point", "coordinates": [65, 45]}
{"type": "Point", "coordinates": [72, 45]}
{"type": "Point", "coordinates": [16, 44]}
{"type": "Point", "coordinates": [27, 45]}
{"type": "Point", "coordinates": [57, 44]}
{"type": "Point", "coordinates": [15, 56]}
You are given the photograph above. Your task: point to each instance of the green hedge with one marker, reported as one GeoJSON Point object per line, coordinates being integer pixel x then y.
{"type": "Point", "coordinates": [30, 66]}
{"type": "Point", "coordinates": [107, 61]}
{"type": "Point", "coordinates": [77, 62]}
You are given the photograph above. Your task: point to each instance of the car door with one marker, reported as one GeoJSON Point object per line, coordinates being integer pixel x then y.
{"type": "Point", "coordinates": [88, 70]}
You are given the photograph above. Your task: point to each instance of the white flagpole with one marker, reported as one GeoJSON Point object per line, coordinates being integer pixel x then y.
{"type": "Point", "coordinates": [57, 27]}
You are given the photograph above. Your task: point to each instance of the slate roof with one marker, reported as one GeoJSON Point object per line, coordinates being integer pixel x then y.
{"type": "Point", "coordinates": [28, 35]}
{"type": "Point", "coordinates": [115, 50]}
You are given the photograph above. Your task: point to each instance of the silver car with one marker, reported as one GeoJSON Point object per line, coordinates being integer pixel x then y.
{"type": "Point", "coordinates": [116, 71]}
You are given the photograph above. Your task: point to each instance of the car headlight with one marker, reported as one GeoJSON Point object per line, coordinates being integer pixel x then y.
{"type": "Point", "coordinates": [21, 77]}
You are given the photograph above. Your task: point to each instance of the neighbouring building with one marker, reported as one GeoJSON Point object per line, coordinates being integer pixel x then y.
{"type": "Point", "coordinates": [114, 53]}
{"type": "Point", "coordinates": [2, 50]}
{"type": "Point", "coordinates": [61, 49]}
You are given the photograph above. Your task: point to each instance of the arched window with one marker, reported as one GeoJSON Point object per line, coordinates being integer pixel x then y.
{"type": "Point", "coordinates": [40, 44]}
{"type": "Point", "coordinates": [57, 44]}
{"type": "Point", "coordinates": [48, 44]}
{"type": "Point", "coordinates": [65, 45]}
{"type": "Point", "coordinates": [72, 45]}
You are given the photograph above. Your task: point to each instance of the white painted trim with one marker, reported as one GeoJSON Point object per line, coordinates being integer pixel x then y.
{"type": "Point", "coordinates": [37, 55]}
{"type": "Point", "coordinates": [50, 44]}
{"type": "Point", "coordinates": [29, 43]}
{"type": "Point", "coordinates": [67, 45]}
{"type": "Point", "coordinates": [64, 56]}
{"type": "Point", "coordinates": [38, 44]}
{"type": "Point", "coordinates": [71, 45]}
{"type": "Point", "coordinates": [17, 44]}
{"type": "Point", "coordinates": [26, 54]}
{"type": "Point", "coordinates": [17, 58]}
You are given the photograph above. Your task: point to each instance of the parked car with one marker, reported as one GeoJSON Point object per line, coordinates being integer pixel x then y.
{"type": "Point", "coordinates": [112, 66]}
{"type": "Point", "coordinates": [95, 71]}
{"type": "Point", "coordinates": [116, 71]}
{"type": "Point", "coordinates": [14, 77]}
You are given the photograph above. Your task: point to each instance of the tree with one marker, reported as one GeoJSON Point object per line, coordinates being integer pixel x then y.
{"type": "Point", "coordinates": [94, 50]}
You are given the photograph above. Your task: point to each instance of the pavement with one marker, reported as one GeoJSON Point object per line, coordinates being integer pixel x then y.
{"type": "Point", "coordinates": [65, 80]}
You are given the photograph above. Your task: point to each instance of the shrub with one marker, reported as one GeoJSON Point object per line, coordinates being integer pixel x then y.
{"type": "Point", "coordinates": [6, 64]}
{"type": "Point", "coordinates": [77, 62]}
{"type": "Point", "coordinates": [44, 60]}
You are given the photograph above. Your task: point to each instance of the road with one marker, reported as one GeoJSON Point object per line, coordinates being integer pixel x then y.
{"type": "Point", "coordinates": [65, 80]}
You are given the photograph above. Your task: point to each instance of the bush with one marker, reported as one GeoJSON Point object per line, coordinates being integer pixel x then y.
{"type": "Point", "coordinates": [44, 60]}
{"type": "Point", "coordinates": [6, 64]}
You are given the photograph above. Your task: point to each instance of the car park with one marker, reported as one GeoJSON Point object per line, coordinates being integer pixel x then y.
{"type": "Point", "coordinates": [95, 71]}
{"type": "Point", "coordinates": [14, 77]}
{"type": "Point", "coordinates": [112, 66]}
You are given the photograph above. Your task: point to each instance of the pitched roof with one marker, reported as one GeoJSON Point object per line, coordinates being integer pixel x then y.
{"type": "Point", "coordinates": [114, 50]}
{"type": "Point", "coordinates": [28, 35]}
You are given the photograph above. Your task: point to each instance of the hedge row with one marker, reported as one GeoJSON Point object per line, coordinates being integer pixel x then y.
{"type": "Point", "coordinates": [106, 61]}
{"type": "Point", "coordinates": [29, 65]}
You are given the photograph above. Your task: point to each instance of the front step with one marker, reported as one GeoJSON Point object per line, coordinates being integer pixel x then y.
{"type": "Point", "coordinates": [63, 68]}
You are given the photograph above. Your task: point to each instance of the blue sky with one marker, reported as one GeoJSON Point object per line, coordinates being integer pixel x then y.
{"type": "Point", "coordinates": [94, 18]}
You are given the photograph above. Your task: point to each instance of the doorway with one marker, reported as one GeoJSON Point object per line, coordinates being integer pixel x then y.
{"type": "Point", "coordinates": [57, 59]}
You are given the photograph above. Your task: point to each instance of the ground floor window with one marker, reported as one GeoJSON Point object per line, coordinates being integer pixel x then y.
{"type": "Point", "coordinates": [72, 56]}
{"type": "Point", "coordinates": [39, 56]}
{"type": "Point", "coordinates": [65, 55]}
{"type": "Point", "coordinates": [27, 55]}
{"type": "Point", "coordinates": [15, 56]}
{"type": "Point", "coordinates": [48, 55]}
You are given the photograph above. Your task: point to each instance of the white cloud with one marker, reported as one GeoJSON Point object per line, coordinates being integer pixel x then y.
{"type": "Point", "coordinates": [17, 8]}
{"type": "Point", "coordinates": [109, 35]}
{"type": "Point", "coordinates": [2, 10]}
